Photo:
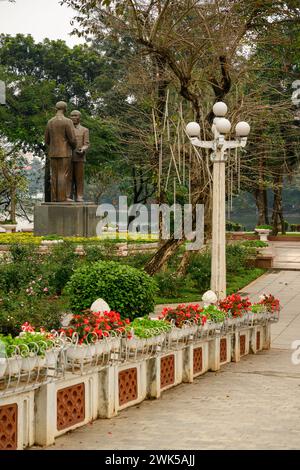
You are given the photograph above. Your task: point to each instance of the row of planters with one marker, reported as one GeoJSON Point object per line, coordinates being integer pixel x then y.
{"type": "Point", "coordinates": [144, 357]}
{"type": "Point", "coordinates": [95, 339]}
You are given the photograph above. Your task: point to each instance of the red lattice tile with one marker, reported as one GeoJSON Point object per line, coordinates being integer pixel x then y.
{"type": "Point", "coordinates": [197, 360]}
{"type": "Point", "coordinates": [223, 350]}
{"type": "Point", "coordinates": [128, 386]}
{"type": "Point", "coordinates": [70, 406]}
{"type": "Point", "coordinates": [9, 427]}
{"type": "Point", "coordinates": [167, 371]}
{"type": "Point", "coordinates": [242, 345]}
{"type": "Point", "coordinates": [258, 340]}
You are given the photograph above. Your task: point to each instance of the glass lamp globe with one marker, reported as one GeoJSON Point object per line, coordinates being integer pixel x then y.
{"type": "Point", "coordinates": [242, 129]}
{"type": "Point", "coordinates": [193, 129]}
{"type": "Point", "coordinates": [223, 126]}
{"type": "Point", "coordinates": [220, 109]}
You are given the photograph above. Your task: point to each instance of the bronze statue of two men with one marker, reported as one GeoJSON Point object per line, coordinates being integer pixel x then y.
{"type": "Point", "coordinates": [68, 143]}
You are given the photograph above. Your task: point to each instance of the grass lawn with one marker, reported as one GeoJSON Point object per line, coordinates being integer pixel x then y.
{"type": "Point", "coordinates": [235, 282]}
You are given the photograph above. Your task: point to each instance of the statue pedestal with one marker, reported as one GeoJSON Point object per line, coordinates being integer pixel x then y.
{"type": "Point", "coordinates": [67, 219]}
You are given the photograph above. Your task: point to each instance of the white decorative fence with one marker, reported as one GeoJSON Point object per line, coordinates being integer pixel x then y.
{"type": "Point", "coordinates": [53, 391]}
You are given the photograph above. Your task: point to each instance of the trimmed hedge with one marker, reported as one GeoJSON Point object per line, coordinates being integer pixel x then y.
{"type": "Point", "coordinates": [126, 289]}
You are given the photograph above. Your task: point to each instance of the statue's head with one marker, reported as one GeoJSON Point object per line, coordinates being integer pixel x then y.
{"type": "Point", "coordinates": [61, 106]}
{"type": "Point", "coordinates": [75, 116]}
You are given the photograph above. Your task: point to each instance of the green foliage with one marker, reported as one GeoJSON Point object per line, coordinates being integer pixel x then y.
{"type": "Point", "coordinates": [254, 244]}
{"type": "Point", "coordinates": [236, 281]}
{"type": "Point", "coordinates": [16, 309]}
{"type": "Point", "coordinates": [214, 314]}
{"type": "Point", "coordinates": [200, 270]}
{"type": "Point", "coordinates": [22, 269]}
{"type": "Point", "coordinates": [170, 285]}
{"type": "Point", "coordinates": [126, 289]}
{"type": "Point", "coordinates": [237, 256]}
{"type": "Point", "coordinates": [295, 227]}
{"type": "Point", "coordinates": [28, 268]}
{"type": "Point", "coordinates": [234, 226]}
{"type": "Point", "coordinates": [266, 227]}
{"type": "Point", "coordinates": [59, 266]}
{"type": "Point", "coordinates": [258, 308]}
{"type": "Point", "coordinates": [145, 327]}
{"type": "Point", "coordinates": [27, 344]}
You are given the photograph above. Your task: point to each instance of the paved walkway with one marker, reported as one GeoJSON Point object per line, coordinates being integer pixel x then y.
{"type": "Point", "coordinates": [253, 404]}
{"type": "Point", "coordinates": [286, 254]}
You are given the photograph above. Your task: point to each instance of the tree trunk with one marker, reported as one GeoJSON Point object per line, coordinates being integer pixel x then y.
{"type": "Point", "coordinates": [266, 208]}
{"type": "Point", "coordinates": [47, 183]}
{"type": "Point", "coordinates": [181, 271]}
{"type": "Point", "coordinates": [277, 215]}
{"type": "Point", "coordinates": [13, 204]}
{"type": "Point", "coordinates": [163, 254]}
{"type": "Point", "coordinates": [259, 199]}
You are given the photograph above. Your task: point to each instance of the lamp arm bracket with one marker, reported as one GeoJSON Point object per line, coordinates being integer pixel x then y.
{"type": "Point", "coordinates": [201, 143]}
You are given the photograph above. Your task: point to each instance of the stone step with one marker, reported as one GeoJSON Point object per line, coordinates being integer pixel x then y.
{"type": "Point", "coordinates": [286, 265]}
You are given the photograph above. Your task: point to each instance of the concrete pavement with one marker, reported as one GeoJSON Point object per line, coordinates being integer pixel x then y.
{"type": "Point", "coordinates": [253, 404]}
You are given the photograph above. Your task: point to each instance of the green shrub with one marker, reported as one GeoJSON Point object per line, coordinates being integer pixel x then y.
{"type": "Point", "coordinates": [21, 266]}
{"type": "Point", "coordinates": [94, 253]}
{"type": "Point", "coordinates": [137, 261]}
{"type": "Point", "coordinates": [40, 312]}
{"type": "Point", "coordinates": [234, 226]}
{"type": "Point", "coordinates": [265, 227]}
{"type": "Point", "coordinates": [126, 289]}
{"type": "Point", "coordinates": [237, 256]}
{"type": "Point", "coordinates": [170, 285]}
{"type": "Point", "coordinates": [200, 270]}
{"type": "Point", "coordinates": [255, 244]}
{"type": "Point", "coordinates": [59, 265]}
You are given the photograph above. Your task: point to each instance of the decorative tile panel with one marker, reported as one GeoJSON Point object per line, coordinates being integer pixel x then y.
{"type": "Point", "coordinates": [258, 340]}
{"type": "Point", "coordinates": [128, 386]}
{"type": "Point", "coordinates": [167, 371]}
{"type": "Point", "coordinates": [197, 360]}
{"type": "Point", "coordinates": [70, 406]}
{"type": "Point", "coordinates": [9, 427]}
{"type": "Point", "coordinates": [242, 345]}
{"type": "Point", "coordinates": [223, 350]}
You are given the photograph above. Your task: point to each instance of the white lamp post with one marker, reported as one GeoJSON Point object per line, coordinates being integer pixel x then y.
{"type": "Point", "coordinates": [219, 146]}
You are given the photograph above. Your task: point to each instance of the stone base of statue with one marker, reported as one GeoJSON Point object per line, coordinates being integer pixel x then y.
{"type": "Point", "coordinates": [67, 219]}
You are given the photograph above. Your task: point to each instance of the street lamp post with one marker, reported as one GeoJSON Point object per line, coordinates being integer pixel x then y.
{"type": "Point", "coordinates": [219, 146]}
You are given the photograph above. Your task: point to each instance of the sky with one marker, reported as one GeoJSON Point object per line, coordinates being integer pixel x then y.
{"type": "Point", "coordinates": [40, 18]}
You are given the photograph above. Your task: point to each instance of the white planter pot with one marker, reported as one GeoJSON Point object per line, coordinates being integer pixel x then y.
{"type": "Point", "coordinates": [80, 352]}
{"type": "Point", "coordinates": [175, 334]}
{"type": "Point", "coordinates": [41, 362]}
{"type": "Point", "coordinates": [114, 344]}
{"type": "Point", "coordinates": [29, 363]}
{"type": "Point", "coordinates": [13, 365]}
{"type": "Point", "coordinates": [263, 234]}
{"type": "Point", "coordinates": [135, 343]}
{"type": "Point", "coordinates": [3, 366]}
{"type": "Point", "coordinates": [51, 357]}
{"type": "Point", "coordinates": [9, 227]}
{"type": "Point", "coordinates": [102, 347]}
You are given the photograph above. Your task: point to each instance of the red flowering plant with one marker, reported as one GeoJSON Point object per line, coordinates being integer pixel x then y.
{"type": "Point", "coordinates": [89, 326]}
{"type": "Point", "coordinates": [183, 314]}
{"type": "Point", "coordinates": [28, 328]}
{"type": "Point", "coordinates": [271, 304]}
{"type": "Point", "coordinates": [235, 306]}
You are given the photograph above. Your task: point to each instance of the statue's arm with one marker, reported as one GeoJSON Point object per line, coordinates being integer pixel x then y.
{"type": "Point", "coordinates": [71, 135]}
{"type": "Point", "coordinates": [86, 141]}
